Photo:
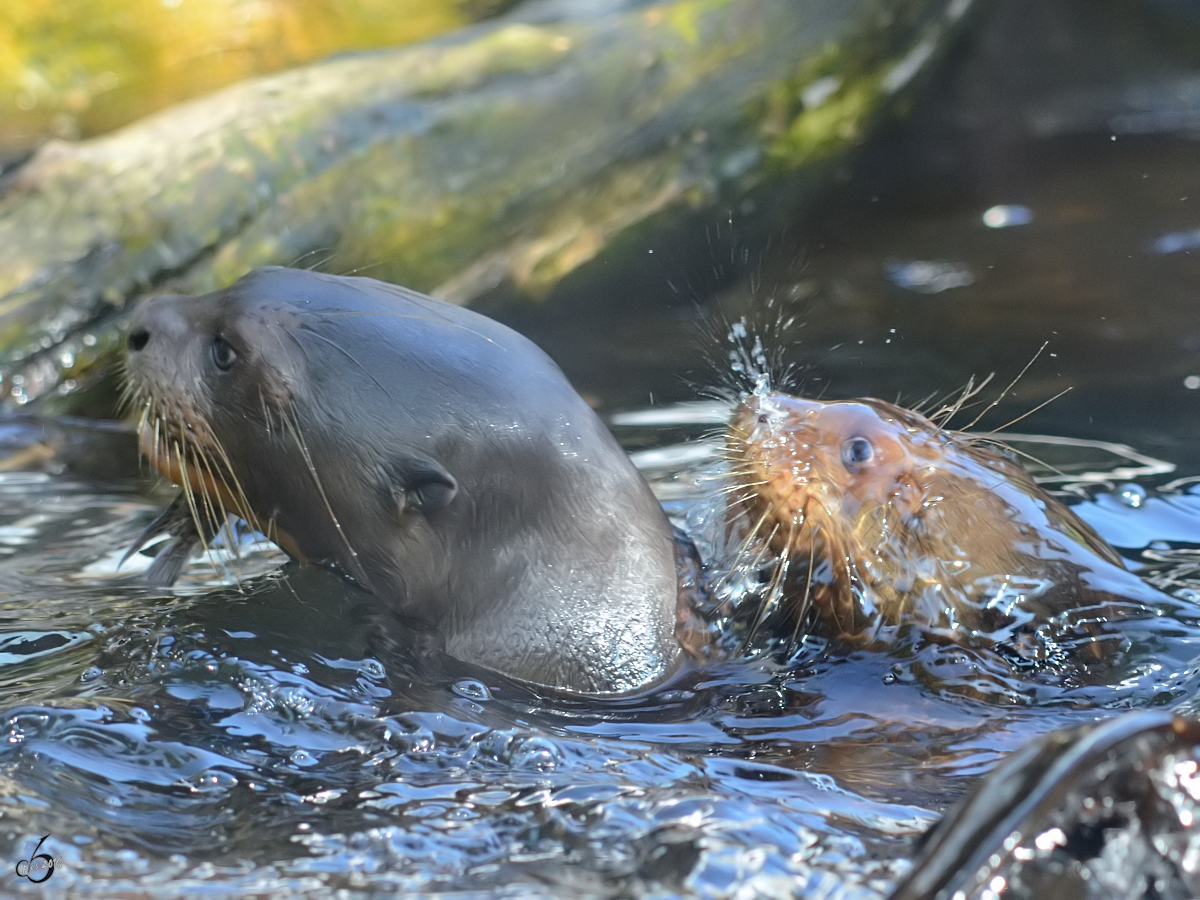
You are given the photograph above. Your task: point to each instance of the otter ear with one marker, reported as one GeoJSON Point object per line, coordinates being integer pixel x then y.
{"type": "Point", "coordinates": [420, 484]}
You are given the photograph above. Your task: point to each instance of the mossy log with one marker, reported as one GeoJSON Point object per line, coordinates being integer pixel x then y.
{"type": "Point", "coordinates": [506, 154]}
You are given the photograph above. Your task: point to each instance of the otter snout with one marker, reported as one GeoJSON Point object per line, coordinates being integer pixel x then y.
{"type": "Point", "coordinates": [159, 321]}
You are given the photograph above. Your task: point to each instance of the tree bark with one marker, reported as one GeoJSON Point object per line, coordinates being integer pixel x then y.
{"type": "Point", "coordinates": [509, 154]}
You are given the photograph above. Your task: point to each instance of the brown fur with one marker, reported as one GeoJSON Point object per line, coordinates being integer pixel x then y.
{"type": "Point", "coordinates": [934, 526]}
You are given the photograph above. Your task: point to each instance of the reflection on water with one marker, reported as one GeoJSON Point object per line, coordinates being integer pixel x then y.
{"type": "Point", "coordinates": [258, 738]}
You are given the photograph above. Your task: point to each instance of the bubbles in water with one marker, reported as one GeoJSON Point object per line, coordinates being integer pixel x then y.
{"type": "Point", "coordinates": [210, 781]}
{"type": "Point", "coordinates": [296, 701]}
{"type": "Point", "coordinates": [471, 689]}
{"type": "Point", "coordinates": [537, 753]}
{"type": "Point", "coordinates": [91, 673]}
{"type": "Point", "coordinates": [413, 738]}
{"type": "Point", "coordinates": [303, 758]}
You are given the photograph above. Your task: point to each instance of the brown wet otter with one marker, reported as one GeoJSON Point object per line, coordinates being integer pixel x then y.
{"type": "Point", "coordinates": [436, 457]}
{"type": "Point", "coordinates": [880, 516]}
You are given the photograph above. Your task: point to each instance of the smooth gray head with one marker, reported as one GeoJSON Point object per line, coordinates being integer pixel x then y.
{"type": "Point", "coordinates": [435, 456]}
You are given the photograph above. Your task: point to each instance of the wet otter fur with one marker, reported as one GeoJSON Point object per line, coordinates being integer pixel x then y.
{"type": "Point", "coordinates": [880, 517]}
{"type": "Point", "coordinates": [437, 458]}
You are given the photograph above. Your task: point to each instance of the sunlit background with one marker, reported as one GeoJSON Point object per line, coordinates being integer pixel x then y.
{"type": "Point", "coordinates": [78, 68]}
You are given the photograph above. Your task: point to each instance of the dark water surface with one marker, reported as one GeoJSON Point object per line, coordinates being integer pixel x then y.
{"type": "Point", "coordinates": [247, 741]}
{"type": "Point", "coordinates": [245, 735]}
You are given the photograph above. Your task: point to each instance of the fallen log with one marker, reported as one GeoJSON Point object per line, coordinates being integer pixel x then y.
{"type": "Point", "coordinates": [508, 154]}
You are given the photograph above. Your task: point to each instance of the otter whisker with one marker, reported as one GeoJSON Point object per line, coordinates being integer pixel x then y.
{"type": "Point", "coordinates": [753, 533]}
{"type": "Point", "coordinates": [126, 396]}
{"type": "Point", "coordinates": [733, 567]}
{"type": "Point", "coordinates": [266, 412]}
{"type": "Point", "coordinates": [742, 487]}
{"type": "Point", "coordinates": [341, 350]}
{"type": "Point", "coordinates": [157, 440]}
{"type": "Point", "coordinates": [736, 504]}
{"type": "Point", "coordinates": [1023, 415]}
{"type": "Point", "coordinates": [292, 338]}
{"type": "Point", "coordinates": [763, 547]}
{"type": "Point", "coordinates": [238, 494]}
{"type": "Point", "coordinates": [775, 591]}
{"type": "Point", "coordinates": [1004, 393]}
{"type": "Point", "coordinates": [329, 252]}
{"type": "Point", "coordinates": [987, 439]}
{"type": "Point", "coordinates": [215, 504]}
{"type": "Point", "coordinates": [802, 609]}
{"type": "Point", "coordinates": [189, 496]}
{"type": "Point", "coordinates": [924, 403]}
{"type": "Point", "coordinates": [942, 417]}
{"type": "Point", "coordinates": [294, 430]}
{"type": "Point", "coordinates": [771, 591]}
{"type": "Point", "coordinates": [725, 476]}
{"type": "Point", "coordinates": [142, 424]}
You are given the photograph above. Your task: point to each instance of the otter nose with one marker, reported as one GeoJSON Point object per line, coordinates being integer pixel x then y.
{"type": "Point", "coordinates": [160, 319]}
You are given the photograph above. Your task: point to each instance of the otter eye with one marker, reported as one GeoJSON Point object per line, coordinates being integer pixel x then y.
{"type": "Point", "coordinates": [223, 354]}
{"type": "Point", "coordinates": [857, 451]}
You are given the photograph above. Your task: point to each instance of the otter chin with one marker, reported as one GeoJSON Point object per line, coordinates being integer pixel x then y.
{"type": "Point", "coordinates": [879, 516]}
{"type": "Point", "coordinates": [435, 457]}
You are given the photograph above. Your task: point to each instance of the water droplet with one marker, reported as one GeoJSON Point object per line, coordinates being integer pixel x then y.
{"type": "Point", "coordinates": [372, 668]}
{"type": "Point", "coordinates": [211, 780]}
{"type": "Point", "coordinates": [1131, 495]}
{"type": "Point", "coordinates": [303, 758]}
{"type": "Point", "coordinates": [471, 689]}
{"type": "Point", "coordinates": [91, 673]}
{"type": "Point", "coordinates": [537, 753]}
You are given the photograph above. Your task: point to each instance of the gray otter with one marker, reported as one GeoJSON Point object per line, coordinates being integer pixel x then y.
{"type": "Point", "coordinates": [438, 458]}
{"type": "Point", "coordinates": [888, 517]}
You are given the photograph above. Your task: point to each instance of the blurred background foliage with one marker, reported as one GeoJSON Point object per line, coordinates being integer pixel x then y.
{"type": "Point", "coordinates": [76, 68]}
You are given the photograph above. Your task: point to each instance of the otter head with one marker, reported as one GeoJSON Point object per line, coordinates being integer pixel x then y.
{"type": "Point", "coordinates": [824, 470]}
{"type": "Point", "coordinates": [200, 369]}
{"type": "Point", "coordinates": [436, 457]}
{"type": "Point", "coordinates": [295, 401]}
{"type": "Point", "coordinates": [844, 490]}
{"type": "Point", "coordinates": [886, 513]}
